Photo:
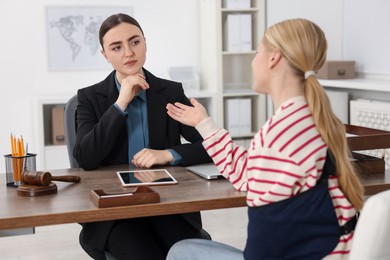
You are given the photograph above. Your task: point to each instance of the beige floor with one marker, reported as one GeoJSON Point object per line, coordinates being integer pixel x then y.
{"type": "Point", "coordinates": [60, 242]}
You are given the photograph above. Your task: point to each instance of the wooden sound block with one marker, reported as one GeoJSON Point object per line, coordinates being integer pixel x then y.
{"type": "Point", "coordinates": [27, 190]}
{"type": "Point", "coordinates": [141, 195]}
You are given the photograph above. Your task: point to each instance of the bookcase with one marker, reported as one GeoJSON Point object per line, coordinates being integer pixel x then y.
{"type": "Point", "coordinates": [50, 155]}
{"type": "Point", "coordinates": [229, 39]}
{"type": "Point", "coordinates": [368, 105]}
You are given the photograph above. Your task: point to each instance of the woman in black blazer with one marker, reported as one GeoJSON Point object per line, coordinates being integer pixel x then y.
{"type": "Point", "coordinates": [105, 136]}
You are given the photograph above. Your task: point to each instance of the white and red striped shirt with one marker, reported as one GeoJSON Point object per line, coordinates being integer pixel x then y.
{"type": "Point", "coordinates": [285, 158]}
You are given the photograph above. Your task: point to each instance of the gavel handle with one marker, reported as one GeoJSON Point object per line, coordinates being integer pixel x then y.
{"type": "Point", "coordinates": [67, 178]}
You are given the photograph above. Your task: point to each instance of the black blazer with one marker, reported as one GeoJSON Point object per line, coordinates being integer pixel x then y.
{"type": "Point", "coordinates": [102, 133]}
{"type": "Point", "coordinates": [102, 137]}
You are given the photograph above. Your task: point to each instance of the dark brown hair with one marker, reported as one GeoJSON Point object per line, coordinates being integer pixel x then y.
{"type": "Point", "coordinates": [115, 20]}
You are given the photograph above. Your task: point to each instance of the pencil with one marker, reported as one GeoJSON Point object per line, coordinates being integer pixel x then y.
{"type": "Point", "coordinates": [12, 146]}
{"type": "Point", "coordinates": [21, 146]}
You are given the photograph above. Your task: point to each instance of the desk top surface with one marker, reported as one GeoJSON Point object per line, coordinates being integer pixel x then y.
{"type": "Point", "coordinates": [72, 203]}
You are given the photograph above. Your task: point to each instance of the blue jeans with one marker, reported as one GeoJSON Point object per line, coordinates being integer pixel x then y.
{"type": "Point", "coordinates": [193, 249]}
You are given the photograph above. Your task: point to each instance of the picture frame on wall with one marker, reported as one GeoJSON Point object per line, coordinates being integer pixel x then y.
{"type": "Point", "coordinates": [73, 36]}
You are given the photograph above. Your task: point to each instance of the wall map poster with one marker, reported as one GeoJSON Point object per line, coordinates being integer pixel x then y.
{"type": "Point", "coordinates": [73, 40]}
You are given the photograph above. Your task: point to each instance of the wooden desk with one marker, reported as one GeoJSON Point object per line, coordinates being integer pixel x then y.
{"type": "Point", "coordinates": [72, 203]}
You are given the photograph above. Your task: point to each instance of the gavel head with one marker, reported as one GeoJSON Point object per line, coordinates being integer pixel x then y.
{"type": "Point", "coordinates": [36, 178]}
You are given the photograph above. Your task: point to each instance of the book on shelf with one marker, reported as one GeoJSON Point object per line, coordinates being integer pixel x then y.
{"type": "Point", "coordinates": [232, 114]}
{"type": "Point", "coordinates": [238, 32]}
{"type": "Point", "coordinates": [238, 116]}
{"type": "Point", "coordinates": [237, 4]}
{"type": "Point", "coordinates": [245, 115]}
{"type": "Point", "coordinates": [57, 124]}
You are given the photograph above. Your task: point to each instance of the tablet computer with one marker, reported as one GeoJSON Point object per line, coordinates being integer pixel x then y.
{"type": "Point", "coordinates": [145, 177]}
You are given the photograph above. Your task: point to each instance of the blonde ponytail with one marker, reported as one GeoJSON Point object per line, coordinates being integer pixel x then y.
{"type": "Point", "coordinates": [332, 131]}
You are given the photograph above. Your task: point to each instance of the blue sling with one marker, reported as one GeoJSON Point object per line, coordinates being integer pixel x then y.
{"type": "Point", "coordinates": [302, 227]}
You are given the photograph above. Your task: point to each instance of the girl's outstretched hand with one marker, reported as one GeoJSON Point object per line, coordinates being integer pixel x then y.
{"type": "Point", "coordinates": [186, 114]}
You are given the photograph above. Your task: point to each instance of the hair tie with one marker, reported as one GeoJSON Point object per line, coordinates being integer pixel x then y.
{"type": "Point", "coordinates": [309, 73]}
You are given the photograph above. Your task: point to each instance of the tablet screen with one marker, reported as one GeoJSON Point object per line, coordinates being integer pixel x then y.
{"type": "Point", "coordinates": [145, 177]}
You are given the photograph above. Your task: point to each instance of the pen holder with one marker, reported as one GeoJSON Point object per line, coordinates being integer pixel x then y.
{"type": "Point", "coordinates": [16, 165]}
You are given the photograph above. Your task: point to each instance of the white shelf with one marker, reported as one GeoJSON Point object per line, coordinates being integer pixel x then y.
{"type": "Point", "coordinates": [238, 10]}
{"type": "Point", "coordinates": [358, 83]}
{"type": "Point", "coordinates": [229, 73]}
{"type": "Point", "coordinates": [238, 53]}
{"type": "Point", "coordinates": [201, 94]}
{"type": "Point", "coordinates": [49, 156]}
{"type": "Point", "coordinates": [239, 92]}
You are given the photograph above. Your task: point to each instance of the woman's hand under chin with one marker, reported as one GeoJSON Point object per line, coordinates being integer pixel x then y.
{"type": "Point", "coordinates": [130, 87]}
{"type": "Point", "coordinates": [188, 115]}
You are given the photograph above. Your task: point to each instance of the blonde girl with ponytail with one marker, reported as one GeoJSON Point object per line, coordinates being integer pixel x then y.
{"type": "Point", "coordinates": [303, 194]}
{"type": "Point", "coordinates": [332, 130]}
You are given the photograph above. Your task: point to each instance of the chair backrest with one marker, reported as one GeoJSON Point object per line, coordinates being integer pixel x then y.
{"type": "Point", "coordinates": [70, 128]}
{"type": "Point", "coordinates": [372, 234]}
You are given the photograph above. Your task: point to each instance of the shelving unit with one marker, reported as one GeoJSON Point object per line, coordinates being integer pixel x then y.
{"type": "Point", "coordinates": [365, 88]}
{"type": "Point", "coordinates": [229, 73]}
{"type": "Point", "coordinates": [49, 156]}
{"type": "Point", "coordinates": [373, 108]}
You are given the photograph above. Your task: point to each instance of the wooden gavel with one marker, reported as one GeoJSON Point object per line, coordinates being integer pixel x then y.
{"type": "Point", "coordinates": [45, 178]}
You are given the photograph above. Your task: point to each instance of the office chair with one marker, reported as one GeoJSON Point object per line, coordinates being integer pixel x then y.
{"type": "Point", "coordinates": [372, 234]}
{"type": "Point", "coordinates": [70, 129]}
{"type": "Point", "coordinates": [70, 133]}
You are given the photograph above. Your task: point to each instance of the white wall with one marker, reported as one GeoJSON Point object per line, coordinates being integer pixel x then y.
{"type": "Point", "coordinates": [328, 14]}
{"type": "Point", "coordinates": [172, 31]}
{"type": "Point", "coordinates": [355, 29]}
{"type": "Point", "coordinates": [171, 39]}
{"type": "Point", "coordinates": [367, 35]}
